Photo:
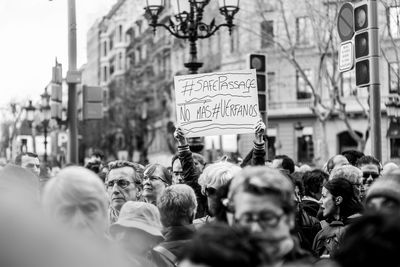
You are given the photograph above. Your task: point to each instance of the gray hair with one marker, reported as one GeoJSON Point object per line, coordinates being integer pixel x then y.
{"type": "Point", "coordinates": [217, 175]}
{"type": "Point", "coordinates": [177, 204]}
{"type": "Point", "coordinates": [139, 169]}
{"type": "Point", "coordinates": [73, 186]}
{"type": "Point", "coordinates": [348, 172]}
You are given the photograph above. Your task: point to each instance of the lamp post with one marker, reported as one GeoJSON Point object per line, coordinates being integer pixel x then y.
{"type": "Point", "coordinates": [30, 113]}
{"type": "Point", "coordinates": [45, 112]}
{"type": "Point", "coordinates": [188, 22]}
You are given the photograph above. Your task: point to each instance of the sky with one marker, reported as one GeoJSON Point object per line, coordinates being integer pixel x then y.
{"type": "Point", "coordinates": [35, 32]}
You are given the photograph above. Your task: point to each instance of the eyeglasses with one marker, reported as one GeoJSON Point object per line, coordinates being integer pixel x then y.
{"type": "Point", "coordinates": [209, 191]}
{"type": "Point", "coordinates": [154, 178]}
{"type": "Point", "coordinates": [120, 183]}
{"type": "Point", "coordinates": [374, 175]}
{"type": "Point", "coordinates": [265, 219]}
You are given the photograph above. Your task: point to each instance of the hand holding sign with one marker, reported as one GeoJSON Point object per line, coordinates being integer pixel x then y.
{"type": "Point", "coordinates": [259, 132]}
{"type": "Point", "coordinates": [217, 103]}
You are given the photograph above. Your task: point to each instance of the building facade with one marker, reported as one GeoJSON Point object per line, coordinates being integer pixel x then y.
{"type": "Point", "coordinates": [135, 64]}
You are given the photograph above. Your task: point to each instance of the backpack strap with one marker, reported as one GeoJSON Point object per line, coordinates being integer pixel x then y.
{"type": "Point", "coordinates": [168, 254]}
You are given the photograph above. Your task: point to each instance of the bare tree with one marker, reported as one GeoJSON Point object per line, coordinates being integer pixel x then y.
{"type": "Point", "coordinates": [326, 90]}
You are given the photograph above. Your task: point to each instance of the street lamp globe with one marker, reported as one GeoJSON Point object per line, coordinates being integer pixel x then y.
{"type": "Point", "coordinates": [181, 9]}
{"type": "Point", "coordinates": [45, 98]}
{"type": "Point", "coordinates": [154, 7]}
{"type": "Point", "coordinates": [30, 112]}
{"type": "Point", "coordinates": [228, 7]}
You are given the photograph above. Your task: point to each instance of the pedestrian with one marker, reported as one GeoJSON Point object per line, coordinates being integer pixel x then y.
{"type": "Point", "coordinates": [335, 162]}
{"type": "Point", "coordinates": [123, 183]}
{"type": "Point", "coordinates": [29, 161]}
{"type": "Point", "coordinates": [352, 156]}
{"type": "Point", "coordinates": [313, 182]}
{"type": "Point", "coordinates": [353, 175]}
{"type": "Point", "coordinates": [177, 206]}
{"type": "Point", "coordinates": [389, 167]}
{"type": "Point", "coordinates": [76, 200]}
{"type": "Point", "coordinates": [211, 180]}
{"type": "Point", "coordinates": [216, 245]}
{"type": "Point", "coordinates": [262, 200]}
{"type": "Point", "coordinates": [156, 178]}
{"type": "Point", "coordinates": [371, 170]}
{"type": "Point", "coordinates": [384, 194]}
{"type": "Point", "coordinates": [137, 230]}
{"type": "Point", "coordinates": [283, 163]}
{"type": "Point", "coordinates": [372, 241]}
{"type": "Point", "coordinates": [340, 207]}
{"type": "Point", "coordinates": [187, 168]}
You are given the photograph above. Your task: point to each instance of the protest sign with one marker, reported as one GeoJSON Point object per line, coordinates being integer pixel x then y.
{"type": "Point", "coordinates": [217, 103]}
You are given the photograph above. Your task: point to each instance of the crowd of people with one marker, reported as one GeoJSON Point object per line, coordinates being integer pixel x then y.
{"type": "Point", "coordinates": [199, 214]}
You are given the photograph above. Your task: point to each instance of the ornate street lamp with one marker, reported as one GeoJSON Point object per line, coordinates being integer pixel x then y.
{"type": "Point", "coordinates": [30, 113]}
{"type": "Point", "coordinates": [188, 22]}
{"type": "Point", "coordinates": [45, 110]}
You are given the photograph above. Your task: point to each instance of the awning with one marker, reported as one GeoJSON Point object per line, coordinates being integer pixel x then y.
{"type": "Point", "coordinates": [394, 130]}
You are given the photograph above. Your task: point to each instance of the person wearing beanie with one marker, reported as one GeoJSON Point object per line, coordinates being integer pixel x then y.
{"type": "Point", "coordinates": [156, 179]}
{"type": "Point", "coordinates": [384, 194]}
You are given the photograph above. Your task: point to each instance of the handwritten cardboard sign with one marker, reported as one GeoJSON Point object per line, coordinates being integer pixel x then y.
{"type": "Point", "coordinates": [217, 103]}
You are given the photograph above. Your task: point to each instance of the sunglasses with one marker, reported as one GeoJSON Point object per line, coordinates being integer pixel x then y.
{"type": "Point", "coordinates": [120, 183]}
{"type": "Point", "coordinates": [374, 175]}
{"type": "Point", "coordinates": [210, 191]}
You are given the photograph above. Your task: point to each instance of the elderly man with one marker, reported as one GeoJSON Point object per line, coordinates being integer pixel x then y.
{"type": "Point", "coordinates": [29, 161]}
{"type": "Point", "coordinates": [177, 206]}
{"type": "Point", "coordinates": [156, 179]}
{"type": "Point", "coordinates": [335, 162]}
{"type": "Point", "coordinates": [123, 183]}
{"type": "Point", "coordinates": [262, 199]}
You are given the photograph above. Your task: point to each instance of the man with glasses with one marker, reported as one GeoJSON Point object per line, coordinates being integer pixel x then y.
{"type": "Point", "coordinates": [371, 170]}
{"type": "Point", "coordinates": [262, 199]}
{"type": "Point", "coordinates": [156, 179]}
{"type": "Point", "coordinates": [123, 183]}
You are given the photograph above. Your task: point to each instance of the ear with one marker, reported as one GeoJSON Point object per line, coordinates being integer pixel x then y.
{"type": "Point", "coordinates": [338, 200]}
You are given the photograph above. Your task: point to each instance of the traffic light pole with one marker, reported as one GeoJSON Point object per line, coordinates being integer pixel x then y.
{"type": "Point", "coordinates": [72, 94]}
{"type": "Point", "coordinates": [374, 91]}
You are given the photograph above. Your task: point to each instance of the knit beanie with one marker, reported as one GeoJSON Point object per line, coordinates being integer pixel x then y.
{"type": "Point", "coordinates": [387, 186]}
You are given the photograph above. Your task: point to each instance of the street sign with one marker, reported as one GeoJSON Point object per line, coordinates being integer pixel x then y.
{"type": "Point", "coordinates": [346, 56]}
{"type": "Point", "coordinates": [345, 22]}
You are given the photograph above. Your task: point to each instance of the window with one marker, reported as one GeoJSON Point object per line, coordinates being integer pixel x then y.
{"type": "Point", "coordinates": [120, 61]}
{"type": "Point", "coordinates": [271, 87]}
{"type": "Point", "coordinates": [394, 147]}
{"type": "Point", "coordinates": [105, 73]}
{"type": "Point", "coordinates": [393, 20]}
{"type": "Point", "coordinates": [104, 48]}
{"type": "Point", "coordinates": [267, 33]}
{"type": "Point", "coordinates": [394, 75]}
{"type": "Point", "coordinates": [144, 52]}
{"type": "Point", "coordinates": [303, 89]}
{"type": "Point", "coordinates": [303, 31]}
{"type": "Point", "coordinates": [120, 34]}
{"type": "Point", "coordinates": [111, 42]}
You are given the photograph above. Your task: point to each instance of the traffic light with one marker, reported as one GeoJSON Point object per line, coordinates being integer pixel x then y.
{"type": "Point", "coordinates": [259, 63]}
{"type": "Point", "coordinates": [365, 44]}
